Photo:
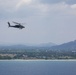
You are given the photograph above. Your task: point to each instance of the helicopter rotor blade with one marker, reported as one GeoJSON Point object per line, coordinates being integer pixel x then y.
{"type": "Point", "coordinates": [19, 23]}
{"type": "Point", "coordinates": [16, 22]}
{"type": "Point", "coordinates": [22, 23]}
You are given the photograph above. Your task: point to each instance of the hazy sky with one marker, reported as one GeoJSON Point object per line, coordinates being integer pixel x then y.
{"type": "Point", "coordinates": [46, 21]}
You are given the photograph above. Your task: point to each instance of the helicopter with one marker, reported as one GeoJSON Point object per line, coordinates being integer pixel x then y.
{"type": "Point", "coordinates": [18, 25]}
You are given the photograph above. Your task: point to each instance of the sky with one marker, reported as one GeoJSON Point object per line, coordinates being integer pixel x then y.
{"type": "Point", "coordinates": [45, 21]}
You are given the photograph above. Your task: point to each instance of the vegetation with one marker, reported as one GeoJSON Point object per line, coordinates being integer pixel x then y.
{"type": "Point", "coordinates": [37, 53]}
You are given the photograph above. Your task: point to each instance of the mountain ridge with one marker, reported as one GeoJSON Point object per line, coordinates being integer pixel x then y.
{"type": "Point", "coordinates": [66, 46]}
{"type": "Point", "coordinates": [22, 46]}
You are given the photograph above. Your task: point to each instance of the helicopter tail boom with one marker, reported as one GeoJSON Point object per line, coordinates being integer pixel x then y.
{"type": "Point", "coordinates": [9, 24]}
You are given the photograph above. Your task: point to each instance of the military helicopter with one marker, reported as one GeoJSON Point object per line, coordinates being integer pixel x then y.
{"type": "Point", "coordinates": [18, 25]}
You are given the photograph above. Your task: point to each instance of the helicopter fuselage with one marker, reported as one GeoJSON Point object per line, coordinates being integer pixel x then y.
{"type": "Point", "coordinates": [16, 26]}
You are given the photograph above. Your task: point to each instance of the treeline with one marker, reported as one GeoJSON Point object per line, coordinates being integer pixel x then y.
{"type": "Point", "coordinates": [37, 54]}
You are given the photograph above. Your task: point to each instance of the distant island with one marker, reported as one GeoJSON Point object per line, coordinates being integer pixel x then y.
{"type": "Point", "coordinates": [42, 51]}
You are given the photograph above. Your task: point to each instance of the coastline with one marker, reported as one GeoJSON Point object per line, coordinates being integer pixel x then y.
{"type": "Point", "coordinates": [40, 60]}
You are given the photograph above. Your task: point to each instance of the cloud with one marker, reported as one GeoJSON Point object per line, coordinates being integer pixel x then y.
{"type": "Point", "coordinates": [22, 2]}
{"type": "Point", "coordinates": [38, 8]}
{"type": "Point", "coordinates": [31, 7]}
{"type": "Point", "coordinates": [51, 1]}
{"type": "Point", "coordinates": [26, 8]}
{"type": "Point", "coordinates": [73, 6]}
{"type": "Point", "coordinates": [58, 1]}
{"type": "Point", "coordinates": [49, 21]}
{"type": "Point", "coordinates": [8, 4]}
{"type": "Point", "coordinates": [71, 2]}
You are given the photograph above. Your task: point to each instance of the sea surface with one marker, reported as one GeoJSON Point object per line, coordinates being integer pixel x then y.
{"type": "Point", "coordinates": [37, 67]}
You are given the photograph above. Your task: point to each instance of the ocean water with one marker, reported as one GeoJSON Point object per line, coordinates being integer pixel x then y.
{"type": "Point", "coordinates": [33, 67]}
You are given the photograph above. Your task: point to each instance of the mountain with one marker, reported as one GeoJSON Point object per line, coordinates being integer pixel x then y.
{"type": "Point", "coordinates": [13, 47]}
{"type": "Point", "coordinates": [70, 46]}
{"type": "Point", "coordinates": [26, 46]}
{"type": "Point", "coordinates": [66, 46]}
{"type": "Point", "coordinates": [46, 45]}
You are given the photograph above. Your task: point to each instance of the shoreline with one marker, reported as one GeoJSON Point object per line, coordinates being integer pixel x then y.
{"type": "Point", "coordinates": [41, 60]}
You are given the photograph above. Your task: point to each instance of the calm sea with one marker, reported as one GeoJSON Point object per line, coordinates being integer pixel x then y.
{"type": "Point", "coordinates": [37, 67]}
